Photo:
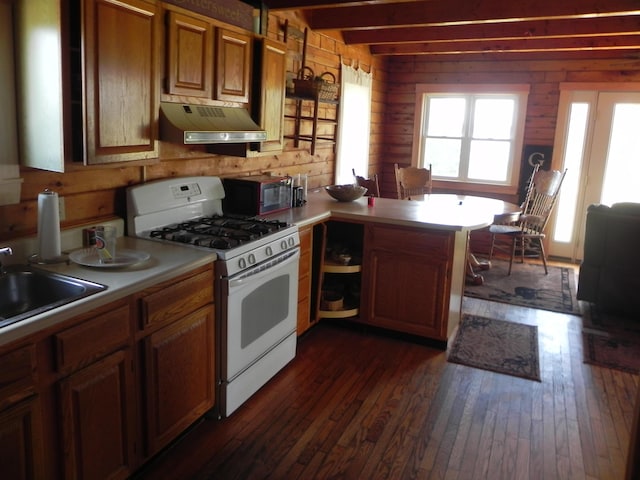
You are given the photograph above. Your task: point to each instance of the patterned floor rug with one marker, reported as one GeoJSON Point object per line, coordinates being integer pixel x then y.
{"type": "Point", "coordinates": [497, 345]}
{"type": "Point", "coordinates": [528, 286]}
{"type": "Point", "coordinates": [611, 341]}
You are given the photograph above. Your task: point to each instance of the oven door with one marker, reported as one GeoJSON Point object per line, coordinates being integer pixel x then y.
{"type": "Point", "coordinates": [258, 326]}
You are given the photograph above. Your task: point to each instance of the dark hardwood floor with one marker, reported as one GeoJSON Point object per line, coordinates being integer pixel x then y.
{"type": "Point", "coordinates": [355, 404]}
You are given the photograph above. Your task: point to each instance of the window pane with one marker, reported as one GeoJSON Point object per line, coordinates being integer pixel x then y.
{"type": "Point", "coordinates": [493, 118]}
{"type": "Point", "coordinates": [622, 169]}
{"type": "Point", "coordinates": [574, 151]}
{"type": "Point", "coordinates": [443, 155]}
{"type": "Point", "coordinates": [446, 117]}
{"type": "Point", "coordinates": [489, 160]}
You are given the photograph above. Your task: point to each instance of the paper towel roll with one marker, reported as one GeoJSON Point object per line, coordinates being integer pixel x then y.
{"type": "Point", "coordinates": [48, 225]}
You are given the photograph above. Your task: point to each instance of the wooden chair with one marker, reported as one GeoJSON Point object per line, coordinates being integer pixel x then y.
{"type": "Point", "coordinates": [527, 233]}
{"type": "Point", "coordinates": [412, 181]}
{"type": "Point", "coordinates": [371, 184]}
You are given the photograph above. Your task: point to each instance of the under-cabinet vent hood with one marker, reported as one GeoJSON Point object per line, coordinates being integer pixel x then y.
{"type": "Point", "coordinates": [204, 124]}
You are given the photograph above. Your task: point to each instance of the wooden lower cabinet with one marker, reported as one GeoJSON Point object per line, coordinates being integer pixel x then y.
{"type": "Point", "coordinates": [179, 376]}
{"type": "Point", "coordinates": [21, 439]}
{"type": "Point", "coordinates": [21, 443]}
{"type": "Point", "coordinates": [107, 389]}
{"type": "Point", "coordinates": [304, 279]}
{"type": "Point", "coordinates": [98, 419]}
{"type": "Point", "coordinates": [406, 282]}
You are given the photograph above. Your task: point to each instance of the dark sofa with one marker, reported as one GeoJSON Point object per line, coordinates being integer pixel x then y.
{"type": "Point", "coordinates": [610, 272]}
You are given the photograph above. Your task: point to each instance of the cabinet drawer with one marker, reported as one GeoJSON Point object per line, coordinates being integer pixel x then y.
{"type": "Point", "coordinates": [17, 375]}
{"type": "Point", "coordinates": [427, 242]}
{"type": "Point", "coordinates": [92, 339]}
{"type": "Point", "coordinates": [178, 299]}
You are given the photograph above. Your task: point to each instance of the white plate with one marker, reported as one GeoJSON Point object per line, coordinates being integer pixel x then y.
{"type": "Point", "coordinates": [124, 258]}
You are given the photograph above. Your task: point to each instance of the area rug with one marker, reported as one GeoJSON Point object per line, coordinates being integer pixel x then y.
{"type": "Point", "coordinates": [611, 341]}
{"type": "Point", "coordinates": [528, 286]}
{"type": "Point", "coordinates": [497, 345]}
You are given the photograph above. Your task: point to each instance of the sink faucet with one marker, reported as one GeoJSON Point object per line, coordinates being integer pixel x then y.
{"type": "Point", "coordinates": [4, 251]}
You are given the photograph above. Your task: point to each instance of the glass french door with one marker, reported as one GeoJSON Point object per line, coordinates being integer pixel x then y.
{"type": "Point", "coordinates": [598, 141]}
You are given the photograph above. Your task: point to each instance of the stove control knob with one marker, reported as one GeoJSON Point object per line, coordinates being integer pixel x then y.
{"type": "Point", "coordinates": [252, 258]}
{"type": "Point", "coordinates": [269, 251]}
{"type": "Point", "coordinates": [291, 241]}
{"type": "Point", "coordinates": [242, 263]}
{"type": "Point", "coordinates": [283, 245]}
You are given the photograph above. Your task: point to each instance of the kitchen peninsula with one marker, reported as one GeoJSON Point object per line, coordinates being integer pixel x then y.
{"type": "Point", "coordinates": [413, 257]}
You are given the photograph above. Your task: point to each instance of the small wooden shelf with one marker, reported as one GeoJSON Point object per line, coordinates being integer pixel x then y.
{"type": "Point", "coordinates": [332, 267]}
{"type": "Point", "coordinates": [346, 313]}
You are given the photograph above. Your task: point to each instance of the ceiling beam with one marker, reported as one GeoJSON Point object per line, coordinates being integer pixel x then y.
{"type": "Point", "coordinates": [629, 42]}
{"type": "Point", "coordinates": [312, 4]}
{"type": "Point", "coordinates": [463, 12]}
{"type": "Point", "coordinates": [587, 27]}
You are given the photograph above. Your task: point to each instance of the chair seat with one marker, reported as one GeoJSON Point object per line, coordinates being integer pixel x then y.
{"type": "Point", "coordinates": [515, 231]}
{"type": "Point", "coordinates": [505, 229]}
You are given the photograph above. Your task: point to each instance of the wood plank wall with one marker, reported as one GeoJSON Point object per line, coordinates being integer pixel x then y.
{"type": "Point", "coordinates": [404, 72]}
{"type": "Point", "coordinates": [92, 194]}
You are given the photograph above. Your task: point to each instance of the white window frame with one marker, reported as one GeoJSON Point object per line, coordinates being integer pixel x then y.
{"type": "Point", "coordinates": [521, 91]}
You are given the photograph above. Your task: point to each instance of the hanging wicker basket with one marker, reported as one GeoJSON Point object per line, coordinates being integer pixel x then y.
{"type": "Point", "coordinates": [308, 85]}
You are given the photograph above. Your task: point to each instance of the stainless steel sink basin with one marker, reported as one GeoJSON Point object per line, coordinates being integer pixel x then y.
{"type": "Point", "coordinates": [26, 291]}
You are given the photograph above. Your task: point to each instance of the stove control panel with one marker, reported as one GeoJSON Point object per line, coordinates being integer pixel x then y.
{"type": "Point", "coordinates": [185, 190]}
{"type": "Point", "coordinates": [260, 253]}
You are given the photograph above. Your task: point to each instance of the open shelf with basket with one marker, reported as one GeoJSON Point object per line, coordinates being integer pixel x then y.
{"type": "Point", "coordinates": [340, 271]}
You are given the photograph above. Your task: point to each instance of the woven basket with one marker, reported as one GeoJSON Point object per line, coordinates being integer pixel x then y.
{"type": "Point", "coordinates": [308, 85]}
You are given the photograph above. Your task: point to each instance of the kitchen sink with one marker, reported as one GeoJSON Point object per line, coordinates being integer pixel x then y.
{"type": "Point", "coordinates": [27, 291]}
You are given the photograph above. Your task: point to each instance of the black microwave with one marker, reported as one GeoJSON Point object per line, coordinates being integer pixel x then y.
{"type": "Point", "coordinates": [257, 195]}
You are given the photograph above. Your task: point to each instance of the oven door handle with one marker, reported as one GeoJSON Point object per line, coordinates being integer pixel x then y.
{"type": "Point", "coordinates": [266, 268]}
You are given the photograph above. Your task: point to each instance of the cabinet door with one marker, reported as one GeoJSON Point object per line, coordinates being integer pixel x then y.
{"type": "Point", "coordinates": [190, 56]}
{"type": "Point", "coordinates": [406, 282]}
{"type": "Point", "coordinates": [272, 93]}
{"type": "Point", "coordinates": [179, 369]}
{"type": "Point", "coordinates": [233, 66]}
{"type": "Point", "coordinates": [304, 280]}
{"type": "Point", "coordinates": [21, 441]}
{"type": "Point", "coordinates": [121, 80]}
{"type": "Point", "coordinates": [98, 421]}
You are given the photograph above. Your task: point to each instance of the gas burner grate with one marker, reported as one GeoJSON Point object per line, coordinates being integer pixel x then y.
{"type": "Point", "coordinates": [220, 232]}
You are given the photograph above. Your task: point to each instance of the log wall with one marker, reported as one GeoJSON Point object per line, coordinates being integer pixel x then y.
{"type": "Point", "coordinates": [404, 72]}
{"type": "Point", "coordinates": [93, 194]}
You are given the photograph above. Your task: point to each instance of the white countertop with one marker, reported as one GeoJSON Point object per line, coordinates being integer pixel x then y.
{"type": "Point", "coordinates": [436, 211]}
{"type": "Point", "coordinates": [166, 261]}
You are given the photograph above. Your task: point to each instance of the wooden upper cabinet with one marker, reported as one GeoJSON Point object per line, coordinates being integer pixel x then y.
{"type": "Point", "coordinates": [121, 80]}
{"type": "Point", "coordinates": [271, 93]}
{"type": "Point", "coordinates": [92, 94]}
{"type": "Point", "coordinates": [190, 56]}
{"type": "Point", "coordinates": [233, 66]}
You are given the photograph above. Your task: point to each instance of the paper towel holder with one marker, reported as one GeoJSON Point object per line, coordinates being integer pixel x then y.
{"type": "Point", "coordinates": [38, 258]}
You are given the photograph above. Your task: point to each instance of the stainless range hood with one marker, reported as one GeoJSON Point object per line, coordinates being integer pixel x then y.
{"type": "Point", "coordinates": [203, 124]}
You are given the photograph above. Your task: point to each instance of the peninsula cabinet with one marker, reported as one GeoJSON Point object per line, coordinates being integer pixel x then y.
{"type": "Point", "coordinates": [406, 286]}
{"type": "Point", "coordinates": [92, 95]}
